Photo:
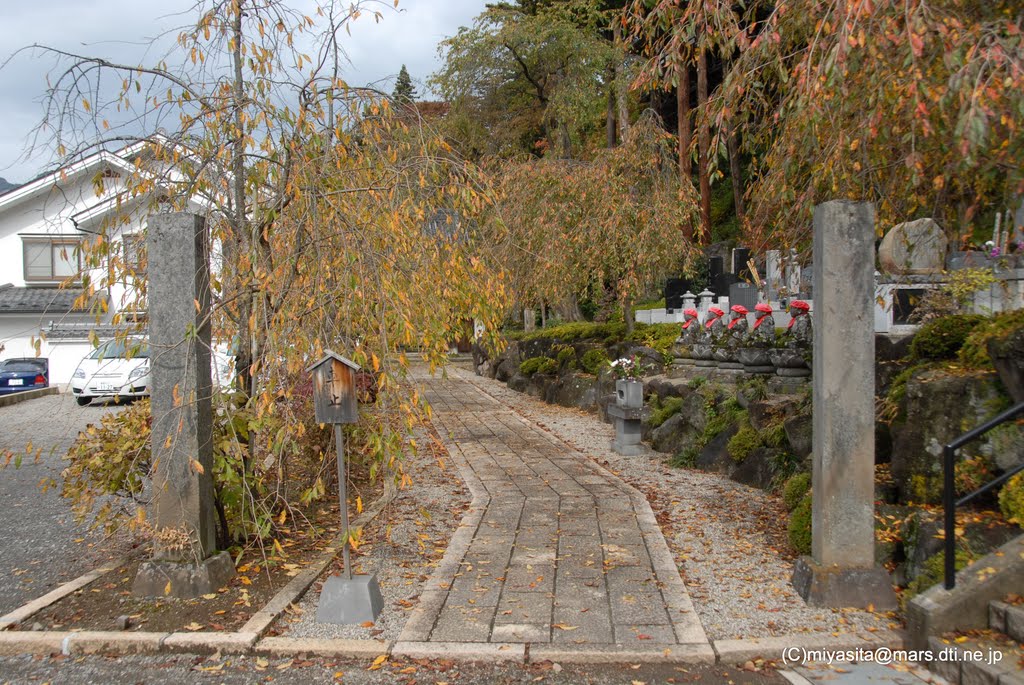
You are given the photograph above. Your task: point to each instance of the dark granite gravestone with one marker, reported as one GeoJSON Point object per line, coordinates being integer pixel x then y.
{"type": "Point", "coordinates": [675, 288]}
{"type": "Point", "coordinates": [740, 256]}
{"type": "Point", "coordinates": [721, 284]}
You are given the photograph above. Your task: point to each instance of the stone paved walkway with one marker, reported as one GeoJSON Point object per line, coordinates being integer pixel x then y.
{"type": "Point", "coordinates": [554, 550]}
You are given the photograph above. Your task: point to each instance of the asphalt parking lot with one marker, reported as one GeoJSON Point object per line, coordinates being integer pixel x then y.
{"type": "Point", "coordinates": [38, 548]}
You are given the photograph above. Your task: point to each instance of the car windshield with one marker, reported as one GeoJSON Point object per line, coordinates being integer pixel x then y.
{"type": "Point", "coordinates": [21, 366]}
{"type": "Point", "coordinates": [121, 349]}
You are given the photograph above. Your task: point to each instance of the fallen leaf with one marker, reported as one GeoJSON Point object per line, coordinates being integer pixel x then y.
{"type": "Point", "coordinates": [378, 662]}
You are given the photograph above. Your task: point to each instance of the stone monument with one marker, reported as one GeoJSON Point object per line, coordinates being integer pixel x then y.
{"type": "Point", "coordinates": [914, 247]}
{"type": "Point", "coordinates": [841, 570]}
{"type": "Point", "coordinates": [185, 561]}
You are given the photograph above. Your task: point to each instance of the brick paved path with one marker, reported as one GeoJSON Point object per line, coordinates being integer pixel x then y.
{"type": "Point", "coordinates": [554, 549]}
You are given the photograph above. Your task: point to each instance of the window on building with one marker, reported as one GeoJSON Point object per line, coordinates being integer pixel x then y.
{"type": "Point", "coordinates": [51, 259]}
{"type": "Point", "coordinates": [135, 253]}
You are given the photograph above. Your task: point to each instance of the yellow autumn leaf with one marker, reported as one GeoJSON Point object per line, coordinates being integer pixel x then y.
{"type": "Point", "coordinates": [378, 662]}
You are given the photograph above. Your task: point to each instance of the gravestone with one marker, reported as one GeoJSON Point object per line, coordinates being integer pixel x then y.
{"type": "Point", "coordinates": [773, 274]}
{"type": "Point", "coordinates": [529, 320]}
{"type": "Point", "coordinates": [841, 571]}
{"type": "Point", "coordinates": [914, 247]}
{"type": "Point", "coordinates": [722, 283]}
{"type": "Point", "coordinates": [185, 562]}
{"type": "Point", "coordinates": [744, 294]}
{"type": "Point", "coordinates": [740, 256]}
{"type": "Point", "coordinates": [792, 274]}
{"type": "Point", "coordinates": [674, 290]}
{"type": "Point", "coordinates": [716, 267]}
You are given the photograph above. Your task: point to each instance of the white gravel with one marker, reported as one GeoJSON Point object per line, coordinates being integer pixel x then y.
{"type": "Point", "coordinates": [727, 538]}
{"type": "Point", "coordinates": [402, 545]}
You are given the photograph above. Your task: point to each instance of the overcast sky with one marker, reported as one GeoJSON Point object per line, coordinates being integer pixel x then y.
{"type": "Point", "coordinates": [121, 30]}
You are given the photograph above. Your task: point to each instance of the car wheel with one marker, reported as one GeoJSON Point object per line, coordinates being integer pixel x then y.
{"type": "Point", "coordinates": [82, 401]}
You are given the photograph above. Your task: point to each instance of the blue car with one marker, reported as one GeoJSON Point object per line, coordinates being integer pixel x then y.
{"type": "Point", "coordinates": [18, 375]}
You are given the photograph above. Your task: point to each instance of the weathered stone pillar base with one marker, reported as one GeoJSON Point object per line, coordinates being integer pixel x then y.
{"type": "Point", "coordinates": [852, 588]}
{"type": "Point", "coordinates": [184, 580]}
{"type": "Point", "coordinates": [628, 430]}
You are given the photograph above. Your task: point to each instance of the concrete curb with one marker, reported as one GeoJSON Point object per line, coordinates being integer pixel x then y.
{"type": "Point", "coordinates": [698, 653]}
{"type": "Point", "coordinates": [464, 651]}
{"type": "Point", "coordinates": [285, 647]}
{"type": "Point", "coordinates": [25, 396]}
{"type": "Point", "coordinates": [36, 605]}
{"type": "Point", "coordinates": [789, 648]}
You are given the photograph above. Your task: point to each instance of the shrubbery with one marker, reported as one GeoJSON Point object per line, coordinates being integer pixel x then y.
{"type": "Point", "coordinates": [538, 365]}
{"type": "Point", "coordinates": [800, 526]}
{"type": "Point", "coordinates": [942, 338]}
{"type": "Point", "coordinates": [663, 410]}
{"type": "Point", "coordinates": [745, 441]}
{"type": "Point", "coordinates": [795, 489]}
{"type": "Point", "coordinates": [594, 360]}
{"type": "Point", "coordinates": [974, 352]}
{"type": "Point", "coordinates": [1011, 500]}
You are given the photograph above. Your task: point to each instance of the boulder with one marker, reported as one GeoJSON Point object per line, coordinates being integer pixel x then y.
{"type": "Point", "coordinates": [756, 469]}
{"type": "Point", "coordinates": [674, 435]}
{"type": "Point", "coordinates": [715, 455]}
{"type": "Point", "coordinates": [574, 390]}
{"type": "Point", "coordinates": [765, 412]}
{"type": "Point", "coordinates": [914, 247]}
{"type": "Point", "coordinates": [507, 364]}
{"type": "Point", "coordinates": [939, 407]}
{"type": "Point", "coordinates": [798, 434]}
{"type": "Point", "coordinates": [1008, 357]}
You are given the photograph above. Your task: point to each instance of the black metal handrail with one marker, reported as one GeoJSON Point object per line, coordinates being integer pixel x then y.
{"type": "Point", "coordinates": [949, 501]}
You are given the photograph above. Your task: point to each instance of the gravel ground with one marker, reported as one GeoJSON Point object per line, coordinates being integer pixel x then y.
{"type": "Point", "coordinates": [402, 545]}
{"type": "Point", "coordinates": [41, 544]}
{"type": "Point", "coordinates": [727, 538]}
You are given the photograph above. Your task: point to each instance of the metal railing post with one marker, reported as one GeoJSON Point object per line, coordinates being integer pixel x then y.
{"type": "Point", "coordinates": [949, 507]}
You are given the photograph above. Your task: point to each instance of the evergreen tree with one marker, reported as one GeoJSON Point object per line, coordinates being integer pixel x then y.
{"type": "Point", "coordinates": [404, 92]}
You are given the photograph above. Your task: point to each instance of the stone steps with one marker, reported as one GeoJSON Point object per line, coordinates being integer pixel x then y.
{"type": "Point", "coordinates": [1007, 618]}
{"type": "Point", "coordinates": [989, 657]}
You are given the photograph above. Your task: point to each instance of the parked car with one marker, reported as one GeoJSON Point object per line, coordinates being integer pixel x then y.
{"type": "Point", "coordinates": [18, 375]}
{"type": "Point", "coordinates": [120, 369]}
{"type": "Point", "coordinates": [116, 369]}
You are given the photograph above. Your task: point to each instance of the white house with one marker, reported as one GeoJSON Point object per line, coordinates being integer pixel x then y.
{"type": "Point", "coordinates": [43, 225]}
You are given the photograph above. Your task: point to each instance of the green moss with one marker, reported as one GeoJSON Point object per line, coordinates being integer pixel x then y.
{"type": "Point", "coordinates": [578, 330]}
{"type": "Point", "coordinates": [594, 360]}
{"type": "Point", "coordinates": [1011, 500]}
{"type": "Point", "coordinates": [566, 357]}
{"type": "Point", "coordinates": [696, 383]}
{"type": "Point", "coordinates": [942, 338]}
{"type": "Point", "coordinates": [932, 573]}
{"type": "Point", "coordinates": [799, 528]}
{"type": "Point", "coordinates": [660, 336]}
{"type": "Point", "coordinates": [974, 352]}
{"type": "Point", "coordinates": [795, 489]}
{"type": "Point", "coordinates": [538, 365]}
{"type": "Point", "coordinates": [774, 435]}
{"type": "Point", "coordinates": [743, 443]}
{"type": "Point", "coordinates": [663, 411]}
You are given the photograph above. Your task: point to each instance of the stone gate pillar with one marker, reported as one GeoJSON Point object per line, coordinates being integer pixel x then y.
{"type": "Point", "coordinates": [184, 562]}
{"type": "Point", "coordinates": [841, 571]}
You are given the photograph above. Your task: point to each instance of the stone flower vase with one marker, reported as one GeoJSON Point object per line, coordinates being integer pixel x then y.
{"type": "Point", "coordinates": [629, 393]}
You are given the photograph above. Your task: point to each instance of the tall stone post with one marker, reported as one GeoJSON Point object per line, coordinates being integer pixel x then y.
{"type": "Point", "coordinates": [184, 562]}
{"type": "Point", "coordinates": [841, 571]}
